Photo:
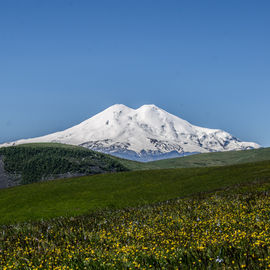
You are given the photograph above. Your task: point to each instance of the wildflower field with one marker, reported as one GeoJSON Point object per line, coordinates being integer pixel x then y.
{"type": "Point", "coordinates": [228, 229]}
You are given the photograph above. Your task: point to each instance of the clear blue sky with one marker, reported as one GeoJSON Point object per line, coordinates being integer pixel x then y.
{"type": "Point", "coordinates": [63, 61]}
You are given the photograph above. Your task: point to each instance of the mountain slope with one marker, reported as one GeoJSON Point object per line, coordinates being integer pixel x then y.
{"type": "Point", "coordinates": [147, 133]}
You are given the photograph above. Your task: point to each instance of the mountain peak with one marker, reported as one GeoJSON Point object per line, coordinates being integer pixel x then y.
{"type": "Point", "coordinates": [149, 106]}
{"type": "Point", "coordinates": [117, 107]}
{"type": "Point", "coordinates": [122, 106]}
{"type": "Point", "coordinates": [146, 133]}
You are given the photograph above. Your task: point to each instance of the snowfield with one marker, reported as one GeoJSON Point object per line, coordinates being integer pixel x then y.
{"type": "Point", "coordinates": [146, 133]}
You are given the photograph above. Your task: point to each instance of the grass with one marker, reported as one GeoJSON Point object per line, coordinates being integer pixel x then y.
{"type": "Point", "coordinates": [227, 229]}
{"type": "Point", "coordinates": [211, 159]}
{"type": "Point", "coordinates": [77, 196]}
{"type": "Point", "coordinates": [180, 218]}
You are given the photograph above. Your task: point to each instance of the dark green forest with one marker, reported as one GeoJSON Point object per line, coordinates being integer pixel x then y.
{"type": "Point", "coordinates": [35, 162]}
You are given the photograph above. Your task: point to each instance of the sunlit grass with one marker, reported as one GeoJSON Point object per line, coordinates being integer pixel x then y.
{"type": "Point", "coordinates": [223, 230]}
{"type": "Point", "coordinates": [77, 196]}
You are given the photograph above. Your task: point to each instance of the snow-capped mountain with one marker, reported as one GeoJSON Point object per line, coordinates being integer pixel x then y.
{"type": "Point", "coordinates": [146, 133]}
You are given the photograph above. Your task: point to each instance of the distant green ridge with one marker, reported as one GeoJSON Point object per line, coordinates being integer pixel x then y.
{"type": "Point", "coordinates": [39, 161]}
{"type": "Point", "coordinates": [211, 159]}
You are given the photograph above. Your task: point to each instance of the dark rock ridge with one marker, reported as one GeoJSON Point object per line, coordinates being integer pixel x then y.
{"type": "Point", "coordinates": [121, 150]}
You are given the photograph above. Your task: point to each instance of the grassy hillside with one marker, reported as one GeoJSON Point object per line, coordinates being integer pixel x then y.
{"type": "Point", "coordinates": [136, 165]}
{"type": "Point", "coordinates": [76, 196]}
{"type": "Point", "coordinates": [222, 230]}
{"type": "Point", "coordinates": [211, 159]}
{"type": "Point", "coordinates": [201, 160]}
{"type": "Point", "coordinates": [34, 162]}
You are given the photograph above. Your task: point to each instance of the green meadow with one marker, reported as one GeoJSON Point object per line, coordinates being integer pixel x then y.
{"type": "Point", "coordinates": [80, 195]}
{"type": "Point", "coordinates": [207, 211]}
{"type": "Point", "coordinates": [226, 229]}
